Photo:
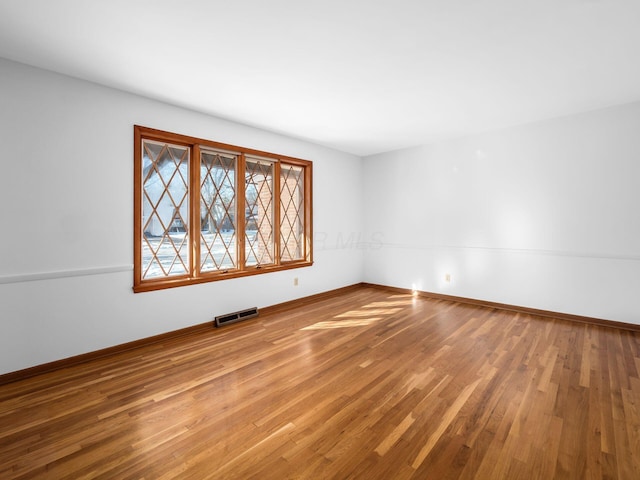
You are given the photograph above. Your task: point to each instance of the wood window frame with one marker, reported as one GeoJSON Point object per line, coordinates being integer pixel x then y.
{"type": "Point", "coordinates": [194, 275]}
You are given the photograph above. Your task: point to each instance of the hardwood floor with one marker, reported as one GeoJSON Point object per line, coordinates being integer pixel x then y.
{"type": "Point", "coordinates": [369, 384]}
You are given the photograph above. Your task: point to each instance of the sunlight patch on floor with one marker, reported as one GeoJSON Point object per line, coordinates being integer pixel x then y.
{"type": "Point", "coordinates": [365, 315]}
{"type": "Point", "coordinates": [394, 303]}
{"type": "Point", "coordinates": [368, 312]}
{"type": "Point", "coordinates": [344, 323]}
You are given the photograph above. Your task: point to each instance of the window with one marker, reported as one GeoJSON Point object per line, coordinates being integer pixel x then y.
{"type": "Point", "coordinates": [207, 211]}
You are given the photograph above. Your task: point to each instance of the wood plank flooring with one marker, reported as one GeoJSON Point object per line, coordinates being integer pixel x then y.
{"type": "Point", "coordinates": [369, 384]}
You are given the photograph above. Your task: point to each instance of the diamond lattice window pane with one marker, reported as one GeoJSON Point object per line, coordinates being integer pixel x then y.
{"type": "Point", "coordinates": [218, 240]}
{"type": "Point", "coordinates": [259, 244]}
{"type": "Point", "coordinates": [291, 212]}
{"type": "Point", "coordinates": [165, 209]}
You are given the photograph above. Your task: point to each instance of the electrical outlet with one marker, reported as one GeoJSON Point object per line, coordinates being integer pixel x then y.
{"type": "Point", "coordinates": [295, 281]}
{"type": "Point", "coordinates": [447, 277]}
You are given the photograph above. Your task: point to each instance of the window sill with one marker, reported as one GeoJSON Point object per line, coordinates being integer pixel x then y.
{"type": "Point", "coordinates": [161, 284]}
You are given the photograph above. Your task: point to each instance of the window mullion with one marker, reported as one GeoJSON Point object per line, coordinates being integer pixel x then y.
{"type": "Point", "coordinates": [240, 212]}
{"type": "Point", "coordinates": [276, 212]}
{"type": "Point", "coordinates": [195, 211]}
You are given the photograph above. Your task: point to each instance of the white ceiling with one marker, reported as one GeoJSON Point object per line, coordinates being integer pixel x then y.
{"type": "Point", "coordinates": [362, 76]}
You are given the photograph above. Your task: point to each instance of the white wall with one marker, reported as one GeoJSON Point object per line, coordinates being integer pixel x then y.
{"type": "Point", "coordinates": [66, 240]}
{"type": "Point", "coordinates": [544, 216]}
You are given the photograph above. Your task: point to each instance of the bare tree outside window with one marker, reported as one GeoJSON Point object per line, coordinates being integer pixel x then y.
{"type": "Point", "coordinates": [217, 211]}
